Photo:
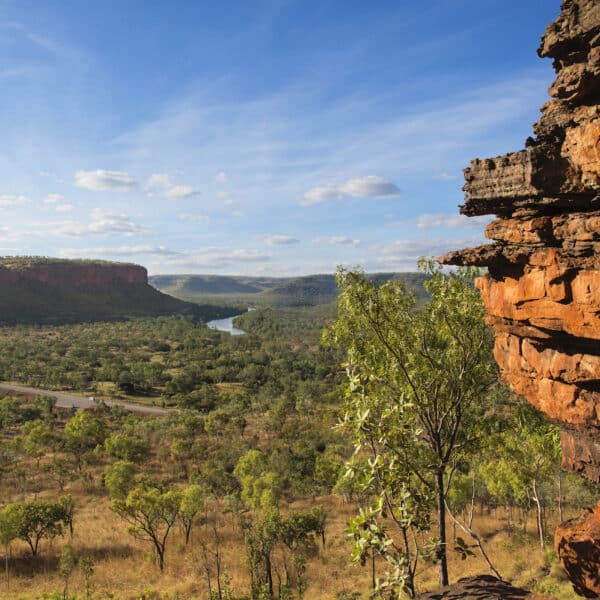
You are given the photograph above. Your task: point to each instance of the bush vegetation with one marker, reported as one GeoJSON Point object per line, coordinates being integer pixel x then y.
{"type": "Point", "coordinates": [245, 490]}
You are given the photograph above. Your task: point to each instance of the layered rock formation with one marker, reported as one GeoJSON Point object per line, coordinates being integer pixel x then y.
{"type": "Point", "coordinates": [46, 290]}
{"type": "Point", "coordinates": [70, 272]}
{"type": "Point", "coordinates": [542, 290]}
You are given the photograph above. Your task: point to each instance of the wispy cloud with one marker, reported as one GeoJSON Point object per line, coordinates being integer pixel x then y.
{"type": "Point", "coordinates": [340, 240]}
{"type": "Point", "coordinates": [63, 207]}
{"type": "Point", "coordinates": [444, 175]}
{"type": "Point", "coordinates": [53, 198]}
{"type": "Point", "coordinates": [214, 257]}
{"type": "Point", "coordinates": [429, 221]}
{"type": "Point", "coordinates": [226, 198]}
{"type": "Point", "coordinates": [191, 218]}
{"type": "Point", "coordinates": [163, 183]}
{"type": "Point", "coordinates": [102, 223]}
{"type": "Point", "coordinates": [118, 251]}
{"type": "Point", "coordinates": [370, 186]}
{"type": "Point", "coordinates": [402, 253]}
{"type": "Point", "coordinates": [7, 200]}
{"type": "Point", "coordinates": [101, 180]}
{"type": "Point", "coordinates": [279, 240]}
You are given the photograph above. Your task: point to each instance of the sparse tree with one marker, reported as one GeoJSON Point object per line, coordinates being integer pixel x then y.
{"type": "Point", "coordinates": [151, 513]}
{"type": "Point", "coordinates": [418, 378]}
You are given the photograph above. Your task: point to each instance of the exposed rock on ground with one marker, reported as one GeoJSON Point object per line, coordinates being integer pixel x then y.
{"type": "Point", "coordinates": [577, 542]}
{"type": "Point", "coordinates": [483, 587]}
{"type": "Point", "coordinates": [542, 290]}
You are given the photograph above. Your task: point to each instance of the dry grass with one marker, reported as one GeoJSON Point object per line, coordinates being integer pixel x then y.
{"type": "Point", "coordinates": [126, 568]}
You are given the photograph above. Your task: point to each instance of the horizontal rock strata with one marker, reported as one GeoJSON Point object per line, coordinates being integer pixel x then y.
{"type": "Point", "coordinates": [542, 288]}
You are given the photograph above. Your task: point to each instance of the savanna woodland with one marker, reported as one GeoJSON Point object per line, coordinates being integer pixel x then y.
{"type": "Point", "coordinates": [358, 449]}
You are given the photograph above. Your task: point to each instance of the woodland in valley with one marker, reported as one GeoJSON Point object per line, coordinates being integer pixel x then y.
{"type": "Point", "coordinates": [359, 449]}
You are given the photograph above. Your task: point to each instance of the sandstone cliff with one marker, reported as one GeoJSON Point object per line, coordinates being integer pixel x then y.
{"type": "Point", "coordinates": [43, 290]}
{"type": "Point", "coordinates": [542, 290]}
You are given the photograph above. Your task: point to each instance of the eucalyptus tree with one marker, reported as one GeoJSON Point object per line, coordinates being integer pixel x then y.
{"type": "Point", "coordinates": [418, 377]}
{"type": "Point", "coordinates": [151, 513]}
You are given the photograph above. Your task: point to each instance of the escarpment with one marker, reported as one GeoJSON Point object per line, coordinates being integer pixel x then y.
{"type": "Point", "coordinates": [46, 290]}
{"type": "Point", "coordinates": [542, 289]}
{"type": "Point", "coordinates": [71, 273]}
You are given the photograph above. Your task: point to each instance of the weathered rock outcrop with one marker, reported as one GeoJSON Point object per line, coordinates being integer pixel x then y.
{"type": "Point", "coordinates": [542, 290]}
{"type": "Point", "coordinates": [72, 273]}
{"type": "Point", "coordinates": [46, 290]}
{"type": "Point", "coordinates": [484, 587]}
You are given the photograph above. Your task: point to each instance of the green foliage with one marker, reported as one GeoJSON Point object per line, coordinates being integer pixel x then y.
{"type": "Point", "coordinates": [127, 447]}
{"type": "Point", "coordinates": [193, 499]}
{"type": "Point", "coordinates": [10, 524]}
{"type": "Point", "coordinates": [83, 433]}
{"type": "Point", "coordinates": [261, 488]}
{"type": "Point", "coordinates": [119, 479]}
{"type": "Point", "coordinates": [151, 513]}
{"type": "Point", "coordinates": [40, 519]}
{"type": "Point", "coordinates": [38, 436]}
{"type": "Point", "coordinates": [417, 376]}
{"type": "Point", "coordinates": [294, 533]}
{"type": "Point", "coordinates": [66, 565]}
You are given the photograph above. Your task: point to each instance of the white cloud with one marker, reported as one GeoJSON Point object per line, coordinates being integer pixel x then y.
{"type": "Point", "coordinates": [163, 183]}
{"type": "Point", "coordinates": [221, 177]}
{"type": "Point", "coordinates": [279, 240]}
{"type": "Point", "coordinates": [7, 200]}
{"type": "Point", "coordinates": [198, 219]}
{"type": "Point", "coordinates": [336, 239]}
{"type": "Point", "coordinates": [403, 254]}
{"type": "Point", "coordinates": [103, 223]}
{"type": "Point", "coordinates": [180, 191]}
{"type": "Point", "coordinates": [237, 213]}
{"type": "Point", "coordinates": [369, 186]}
{"type": "Point", "coordinates": [118, 251]}
{"type": "Point", "coordinates": [445, 175]}
{"type": "Point", "coordinates": [213, 257]}
{"type": "Point", "coordinates": [159, 180]}
{"type": "Point", "coordinates": [63, 207]}
{"type": "Point", "coordinates": [226, 198]}
{"type": "Point", "coordinates": [429, 221]}
{"type": "Point", "coordinates": [102, 180]}
{"type": "Point", "coordinates": [53, 198]}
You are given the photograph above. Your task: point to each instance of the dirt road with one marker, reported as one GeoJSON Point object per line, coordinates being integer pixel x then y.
{"type": "Point", "coordinates": [64, 400]}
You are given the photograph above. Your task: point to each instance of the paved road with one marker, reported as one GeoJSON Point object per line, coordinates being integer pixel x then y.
{"type": "Point", "coordinates": [71, 400]}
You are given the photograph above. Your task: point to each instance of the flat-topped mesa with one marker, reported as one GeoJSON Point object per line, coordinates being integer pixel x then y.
{"type": "Point", "coordinates": [73, 273]}
{"type": "Point", "coordinates": [542, 289]}
{"type": "Point", "coordinates": [36, 289]}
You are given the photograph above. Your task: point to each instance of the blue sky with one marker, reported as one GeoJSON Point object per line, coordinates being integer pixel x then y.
{"type": "Point", "coordinates": [279, 137]}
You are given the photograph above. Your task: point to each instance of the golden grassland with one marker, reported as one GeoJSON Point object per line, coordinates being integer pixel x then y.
{"type": "Point", "coordinates": [124, 568]}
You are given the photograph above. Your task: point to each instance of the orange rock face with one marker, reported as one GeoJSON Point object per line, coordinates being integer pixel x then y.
{"type": "Point", "coordinates": [577, 543]}
{"type": "Point", "coordinates": [542, 288]}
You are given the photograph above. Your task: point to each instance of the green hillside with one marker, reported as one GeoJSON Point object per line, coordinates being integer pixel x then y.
{"type": "Point", "coordinates": [310, 290]}
{"type": "Point", "coordinates": [46, 290]}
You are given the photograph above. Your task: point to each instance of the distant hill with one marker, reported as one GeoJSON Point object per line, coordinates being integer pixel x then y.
{"type": "Point", "coordinates": [310, 290]}
{"type": "Point", "coordinates": [47, 290]}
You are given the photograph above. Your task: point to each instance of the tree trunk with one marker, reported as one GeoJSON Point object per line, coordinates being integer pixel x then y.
{"type": "Point", "coordinates": [160, 552]}
{"type": "Point", "coordinates": [442, 554]}
{"type": "Point", "coordinates": [373, 581]}
{"type": "Point", "coordinates": [269, 573]}
{"type": "Point", "coordinates": [6, 551]}
{"type": "Point", "coordinates": [560, 497]}
{"type": "Point", "coordinates": [472, 507]}
{"type": "Point", "coordinates": [540, 522]}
